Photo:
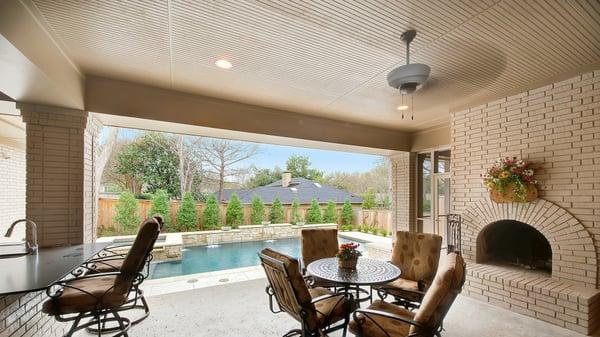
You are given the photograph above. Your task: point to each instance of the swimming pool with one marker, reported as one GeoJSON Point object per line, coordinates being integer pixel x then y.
{"type": "Point", "coordinates": [202, 259]}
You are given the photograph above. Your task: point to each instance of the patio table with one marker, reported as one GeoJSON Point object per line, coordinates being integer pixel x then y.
{"type": "Point", "coordinates": [368, 272]}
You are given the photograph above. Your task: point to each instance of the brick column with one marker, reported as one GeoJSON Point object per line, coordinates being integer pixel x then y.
{"type": "Point", "coordinates": [56, 153]}
{"type": "Point", "coordinates": [403, 166]}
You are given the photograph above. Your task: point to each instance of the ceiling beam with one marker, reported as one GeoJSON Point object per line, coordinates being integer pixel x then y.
{"type": "Point", "coordinates": [34, 68]}
{"type": "Point", "coordinates": [109, 96]}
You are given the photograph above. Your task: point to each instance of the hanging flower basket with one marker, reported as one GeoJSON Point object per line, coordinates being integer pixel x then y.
{"type": "Point", "coordinates": [509, 195]}
{"type": "Point", "coordinates": [511, 180]}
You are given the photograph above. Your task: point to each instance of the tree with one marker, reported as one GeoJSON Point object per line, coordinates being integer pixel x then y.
{"type": "Point", "coordinates": [258, 211]}
{"type": "Point", "coordinates": [127, 213]}
{"type": "Point", "coordinates": [211, 213]}
{"type": "Point", "coordinates": [347, 214]}
{"type": "Point", "coordinates": [262, 177]}
{"type": "Point", "coordinates": [330, 214]}
{"type": "Point", "coordinates": [359, 182]}
{"type": "Point", "coordinates": [314, 213]}
{"type": "Point", "coordinates": [234, 216]}
{"type": "Point", "coordinates": [223, 158]}
{"type": "Point", "coordinates": [160, 205]}
{"type": "Point", "coordinates": [299, 166]}
{"type": "Point", "coordinates": [189, 152]}
{"type": "Point", "coordinates": [187, 215]}
{"type": "Point", "coordinates": [369, 201]}
{"type": "Point", "coordinates": [386, 202]}
{"type": "Point", "coordinates": [296, 216]}
{"type": "Point", "coordinates": [277, 215]}
{"type": "Point", "coordinates": [150, 160]}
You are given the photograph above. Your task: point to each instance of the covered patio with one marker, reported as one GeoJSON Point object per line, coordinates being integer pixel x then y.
{"type": "Point", "coordinates": [488, 112]}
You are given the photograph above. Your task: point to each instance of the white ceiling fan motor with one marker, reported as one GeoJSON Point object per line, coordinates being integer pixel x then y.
{"type": "Point", "coordinates": [409, 77]}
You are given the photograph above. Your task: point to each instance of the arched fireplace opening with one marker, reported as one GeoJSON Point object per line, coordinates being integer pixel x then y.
{"type": "Point", "coordinates": [514, 243]}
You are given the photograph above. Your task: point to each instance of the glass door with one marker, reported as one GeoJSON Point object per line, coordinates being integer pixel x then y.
{"type": "Point", "coordinates": [433, 189]}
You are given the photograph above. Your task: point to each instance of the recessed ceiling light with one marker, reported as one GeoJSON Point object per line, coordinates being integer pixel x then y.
{"type": "Point", "coordinates": [402, 107]}
{"type": "Point", "coordinates": [223, 64]}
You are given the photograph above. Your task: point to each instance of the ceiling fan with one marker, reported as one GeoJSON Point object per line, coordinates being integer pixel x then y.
{"type": "Point", "coordinates": [407, 78]}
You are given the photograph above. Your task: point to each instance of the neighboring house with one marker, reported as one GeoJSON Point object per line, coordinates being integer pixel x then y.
{"type": "Point", "coordinates": [287, 189]}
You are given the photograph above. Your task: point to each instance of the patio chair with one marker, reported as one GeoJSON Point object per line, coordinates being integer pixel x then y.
{"type": "Point", "coordinates": [382, 319]}
{"type": "Point", "coordinates": [318, 244]}
{"type": "Point", "coordinates": [96, 296]}
{"type": "Point", "coordinates": [417, 255]}
{"type": "Point", "coordinates": [111, 258]}
{"type": "Point", "coordinates": [319, 310]}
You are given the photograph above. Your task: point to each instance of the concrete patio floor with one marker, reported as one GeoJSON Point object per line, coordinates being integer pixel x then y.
{"type": "Point", "coordinates": [241, 310]}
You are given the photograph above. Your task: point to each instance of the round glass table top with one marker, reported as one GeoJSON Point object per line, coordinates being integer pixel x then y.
{"type": "Point", "coordinates": [367, 272]}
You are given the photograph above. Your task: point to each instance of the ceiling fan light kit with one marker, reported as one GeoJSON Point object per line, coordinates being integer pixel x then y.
{"type": "Point", "coordinates": [409, 77]}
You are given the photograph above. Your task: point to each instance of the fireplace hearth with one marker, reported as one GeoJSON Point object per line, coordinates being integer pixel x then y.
{"type": "Point", "coordinates": [510, 242]}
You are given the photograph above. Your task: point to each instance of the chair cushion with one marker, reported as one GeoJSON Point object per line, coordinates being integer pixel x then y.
{"type": "Point", "coordinates": [402, 288]}
{"type": "Point", "coordinates": [318, 244]}
{"type": "Point", "coordinates": [142, 246]}
{"type": "Point", "coordinates": [73, 301]}
{"type": "Point", "coordinates": [107, 266]}
{"type": "Point", "coordinates": [392, 327]}
{"type": "Point", "coordinates": [446, 286]}
{"type": "Point", "coordinates": [417, 255]}
{"type": "Point", "coordinates": [298, 284]}
{"type": "Point", "coordinates": [330, 310]}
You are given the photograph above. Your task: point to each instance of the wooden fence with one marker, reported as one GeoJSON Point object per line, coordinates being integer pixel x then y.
{"type": "Point", "coordinates": [107, 212]}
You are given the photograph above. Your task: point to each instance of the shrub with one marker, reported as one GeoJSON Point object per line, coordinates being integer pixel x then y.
{"type": "Point", "coordinates": [277, 215]}
{"type": "Point", "coordinates": [347, 214]}
{"type": "Point", "coordinates": [296, 216]}
{"type": "Point", "coordinates": [330, 215]}
{"type": "Point", "coordinates": [369, 201]}
{"type": "Point", "coordinates": [211, 213]}
{"type": "Point", "coordinates": [383, 232]}
{"type": "Point", "coordinates": [187, 215]}
{"type": "Point", "coordinates": [373, 230]}
{"type": "Point", "coordinates": [258, 211]}
{"type": "Point", "coordinates": [314, 213]}
{"type": "Point", "coordinates": [127, 213]}
{"type": "Point", "coordinates": [160, 205]}
{"type": "Point", "coordinates": [234, 216]}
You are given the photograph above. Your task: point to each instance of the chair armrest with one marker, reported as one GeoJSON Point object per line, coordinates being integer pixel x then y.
{"type": "Point", "coordinates": [328, 296]}
{"type": "Point", "coordinates": [368, 313]}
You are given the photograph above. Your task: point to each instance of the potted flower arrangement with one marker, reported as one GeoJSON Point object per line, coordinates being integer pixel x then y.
{"type": "Point", "coordinates": [348, 255]}
{"type": "Point", "coordinates": [511, 180]}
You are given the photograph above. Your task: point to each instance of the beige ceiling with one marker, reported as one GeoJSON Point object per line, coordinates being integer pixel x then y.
{"type": "Point", "coordinates": [330, 58]}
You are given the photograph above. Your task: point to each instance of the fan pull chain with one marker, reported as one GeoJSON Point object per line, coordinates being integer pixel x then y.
{"type": "Point", "coordinates": [402, 103]}
{"type": "Point", "coordinates": [412, 108]}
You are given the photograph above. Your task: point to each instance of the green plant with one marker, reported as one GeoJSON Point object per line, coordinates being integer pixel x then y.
{"type": "Point", "coordinates": [235, 213]}
{"type": "Point", "coordinates": [330, 214]}
{"type": "Point", "coordinates": [348, 251]}
{"type": "Point", "coordinates": [386, 203]}
{"type": "Point", "coordinates": [314, 213]}
{"type": "Point", "coordinates": [373, 230]}
{"type": "Point", "coordinates": [347, 214]}
{"type": "Point", "coordinates": [383, 232]}
{"type": "Point", "coordinates": [258, 211]}
{"type": "Point", "coordinates": [211, 213]}
{"type": "Point", "coordinates": [296, 216]}
{"type": "Point", "coordinates": [364, 228]}
{"type": "Point", "coordinates": [187, 215]}
{"type": "Point", "coordinates": [277, 215]}
{"type": "Point", "coordinates": [346, 228]}
{"type": "Point", "coordinates": [369, 199]}
{"type": "Point", "coordinates": [160, 205]}
{"type": "Point", "coordinates": [127, 213]}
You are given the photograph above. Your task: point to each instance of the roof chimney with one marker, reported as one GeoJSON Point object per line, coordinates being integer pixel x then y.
{"type": "Point", "coordinates": [286, 179]}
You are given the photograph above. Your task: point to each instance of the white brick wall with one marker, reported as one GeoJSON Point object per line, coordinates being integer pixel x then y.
{"type": "Point", "coordinates": [403, 168]}
{"type": "Point", "coordinates": [558, 127]}
{"type": "Point", "coordinates": [12, 191]}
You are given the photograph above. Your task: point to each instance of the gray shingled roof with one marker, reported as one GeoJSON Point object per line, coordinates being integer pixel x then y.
{"type": "Point", "coordinates": [303, 189]}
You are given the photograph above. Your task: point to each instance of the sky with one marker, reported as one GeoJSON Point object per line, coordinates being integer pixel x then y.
{"type": "Point", "coordinates": [270, 156]}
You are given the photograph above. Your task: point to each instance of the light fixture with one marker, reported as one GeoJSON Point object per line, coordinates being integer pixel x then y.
{"type": "Point", "coordinates": [223, 64]}
{"type": "Point", "coordinates": [402, 107]}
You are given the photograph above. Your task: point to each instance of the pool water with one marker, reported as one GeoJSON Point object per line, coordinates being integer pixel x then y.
{"type": "Point", "coordinates": [202, 259]}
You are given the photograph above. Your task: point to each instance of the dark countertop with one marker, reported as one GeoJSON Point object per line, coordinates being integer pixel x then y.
{"type": "Point", "coordinates": [29, 273]}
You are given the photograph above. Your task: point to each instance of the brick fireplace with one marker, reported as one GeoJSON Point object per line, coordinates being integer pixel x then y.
{"type": "Point", "coordinates": [539, 258]}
